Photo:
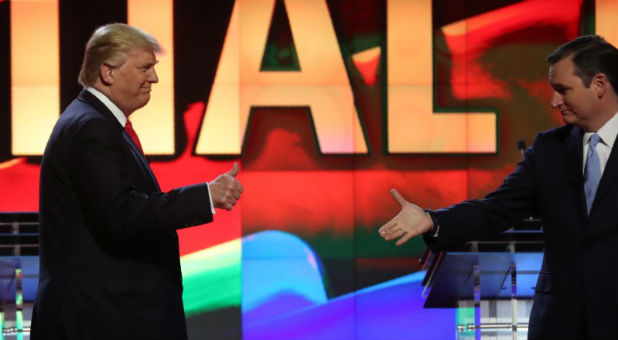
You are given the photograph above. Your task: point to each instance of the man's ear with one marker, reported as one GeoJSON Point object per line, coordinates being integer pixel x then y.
{"type": "Point", "coordinates": [600, 84]}
{"type": "Point", "coordinates": [107, 74]}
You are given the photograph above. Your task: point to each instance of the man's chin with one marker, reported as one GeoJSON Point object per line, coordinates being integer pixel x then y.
{"type": "Point", "coordinates": [142, 104]}
{"type": "Point", "coordinates": [569, 119]}
{"type": "Point", "coordinates": [145, 100]}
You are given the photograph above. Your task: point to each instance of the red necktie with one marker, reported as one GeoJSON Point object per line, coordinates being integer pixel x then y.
{"type": "Point", "coordinates": [129, 129]}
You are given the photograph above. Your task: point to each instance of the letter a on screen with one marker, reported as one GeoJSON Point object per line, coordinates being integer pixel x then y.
{"type": "Point", "coordinates": [322, 83]}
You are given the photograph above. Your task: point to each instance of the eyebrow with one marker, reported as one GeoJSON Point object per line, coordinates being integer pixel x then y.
{"type": "Point", "coordinates": [148, 64]}
{"type": "Point", "coordinates": [558, 87]}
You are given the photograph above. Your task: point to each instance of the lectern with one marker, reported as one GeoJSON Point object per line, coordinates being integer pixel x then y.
{"type": "Point", "coordinates": [490, 282]}
{"type": "Point", "coordinates": [19, 265]}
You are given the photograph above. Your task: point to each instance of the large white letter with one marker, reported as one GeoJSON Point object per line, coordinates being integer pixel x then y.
{"type": "Point", "coordinates": [413, 127]}
{"type": "Point", "coordinates": [322, 84]}
{"type": "Point", "coordinates": [35, 74]}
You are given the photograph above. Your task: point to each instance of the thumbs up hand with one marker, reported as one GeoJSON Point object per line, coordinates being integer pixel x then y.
{"type": "Point", "coordinates": [234, 171]}
{"type": "Point", "coordinates": [410, 222]}
{"type": "Point", "coordinates": [225, 190]}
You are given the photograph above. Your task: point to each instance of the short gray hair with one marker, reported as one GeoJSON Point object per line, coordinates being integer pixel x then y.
{"type": "Point", "coordinates": [110, 44]}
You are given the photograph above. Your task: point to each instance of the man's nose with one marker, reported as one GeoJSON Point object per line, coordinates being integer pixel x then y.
{"type": "Point", "coordinates": [556, 100]}
{"type": "Point", "coordinates": [153, 78]}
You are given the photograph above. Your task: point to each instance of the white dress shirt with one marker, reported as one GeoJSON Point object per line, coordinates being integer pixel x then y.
{"type": "Point", "coordinates": [122, 119]}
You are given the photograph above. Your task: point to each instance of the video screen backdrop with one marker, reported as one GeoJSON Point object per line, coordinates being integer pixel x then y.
{"type": "Point", "coordinates": [326, 105]}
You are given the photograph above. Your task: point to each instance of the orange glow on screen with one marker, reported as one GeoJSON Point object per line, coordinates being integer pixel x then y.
{"type": "Point", "coordinates": [413, 127]}
{"type": "Point", "coordinates": [35, 89]}
{"type": "Point", "coordinates": [606, 23]}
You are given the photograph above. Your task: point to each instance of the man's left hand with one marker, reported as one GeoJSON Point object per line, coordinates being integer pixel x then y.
{"type": "Point", "coordinates": [226, 189]}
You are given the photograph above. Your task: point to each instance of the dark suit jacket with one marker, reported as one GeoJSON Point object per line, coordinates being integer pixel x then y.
{"type": "Point", "coordinates": [109, 261]}
{"type": "Point", "coordinates": [576, 293]}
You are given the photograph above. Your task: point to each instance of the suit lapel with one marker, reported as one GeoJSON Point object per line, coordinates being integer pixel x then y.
{"type": "Point", "coordinates": [140, 159]}
{"type": "Point", "coordinates": [609, 176]}
{"type": "Point", "coordinates": [100, 107]}
{"type": "Point", "coordinates": [574, 159]}
{"type": "Point", "coordinates": [93, 101]}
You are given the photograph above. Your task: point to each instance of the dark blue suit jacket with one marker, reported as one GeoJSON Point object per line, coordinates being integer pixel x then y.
{"type": "Point", "coordinates": [109, 260]}
{"type": "Point", "coordinates": [576, 293]}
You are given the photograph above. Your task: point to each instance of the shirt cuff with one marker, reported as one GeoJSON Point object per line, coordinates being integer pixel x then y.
{"type": "Point", "coordinates": [212, 206]}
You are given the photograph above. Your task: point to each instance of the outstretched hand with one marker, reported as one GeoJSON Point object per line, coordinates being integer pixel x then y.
{"type": "Point", "coordinates": [410, 222]}
{"type": "Point", "coordinates": [226, 189]}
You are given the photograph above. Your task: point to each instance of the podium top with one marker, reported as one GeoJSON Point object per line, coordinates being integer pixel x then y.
{"type": "Point", "coordinates": [454, 278]}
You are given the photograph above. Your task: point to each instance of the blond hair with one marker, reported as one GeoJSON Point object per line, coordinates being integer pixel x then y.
{"type": "Point", "coordinates": [110, 44]}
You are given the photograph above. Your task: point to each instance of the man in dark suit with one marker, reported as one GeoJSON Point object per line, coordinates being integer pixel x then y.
{"type": "Point", "coordinates": [109, 255]}
{"type": "Point", "coordinates": [569, 176]}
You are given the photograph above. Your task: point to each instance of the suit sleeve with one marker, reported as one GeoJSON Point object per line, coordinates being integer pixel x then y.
{"type": "Point", "coordinates": [498, 211]}
{"type": "Point", "coordinates": [108, 183]}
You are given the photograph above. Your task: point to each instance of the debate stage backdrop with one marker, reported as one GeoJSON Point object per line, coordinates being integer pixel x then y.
{"type": "Point", "coordinates": [326, 105]}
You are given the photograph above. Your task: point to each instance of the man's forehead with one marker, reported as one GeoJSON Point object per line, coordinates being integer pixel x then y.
{"type": "Point", "coordinates": [551, 75]}
{"type": "Point", "coordinates": [559, 69]}
{"type": "Point", "coordinates": [142, 54]}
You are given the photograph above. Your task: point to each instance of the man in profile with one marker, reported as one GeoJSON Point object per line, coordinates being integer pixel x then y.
{"type": "Point", "coordinates": [110, 264]}
{"type": "Point", "coordinates": [569, 176]}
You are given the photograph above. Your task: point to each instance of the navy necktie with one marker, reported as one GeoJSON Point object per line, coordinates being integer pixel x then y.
{"type": "Point", "coordinates": [592, 171]}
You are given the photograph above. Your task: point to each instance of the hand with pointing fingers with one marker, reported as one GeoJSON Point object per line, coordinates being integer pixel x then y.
{"type": "Point", "coordinates": [226, 189]}
{"type": "Point", "coordinates": [410, 222]}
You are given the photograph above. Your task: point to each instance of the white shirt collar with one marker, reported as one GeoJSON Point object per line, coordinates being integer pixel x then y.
{"type": "Point", "coordinates": [122, 119]}
{"type": "Point", "coordinates": [607, 132]}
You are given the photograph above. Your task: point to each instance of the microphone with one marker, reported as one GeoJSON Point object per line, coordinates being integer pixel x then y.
{"type": "Point", "coordinates": [521, 145]}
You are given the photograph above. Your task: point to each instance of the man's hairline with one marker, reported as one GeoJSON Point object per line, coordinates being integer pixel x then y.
{"type": "Point", "coordinates": [576, 71]}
